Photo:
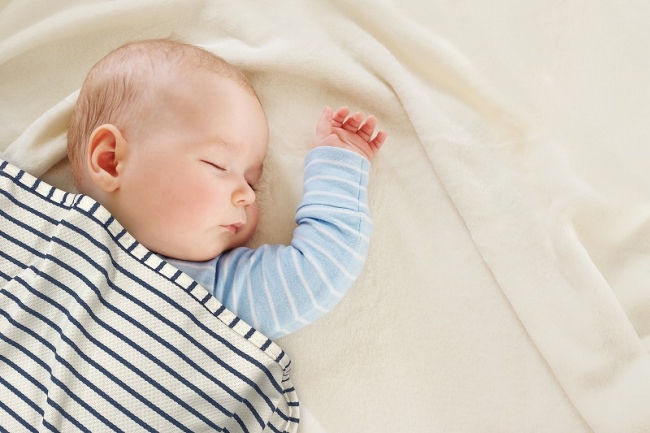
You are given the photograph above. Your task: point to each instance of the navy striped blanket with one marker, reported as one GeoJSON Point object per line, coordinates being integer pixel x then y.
{"type": "Point", "coordinates": [99, 334]}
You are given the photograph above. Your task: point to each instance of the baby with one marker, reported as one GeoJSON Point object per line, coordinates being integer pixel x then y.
{"type": "Point", "coordinates": [171, 140]}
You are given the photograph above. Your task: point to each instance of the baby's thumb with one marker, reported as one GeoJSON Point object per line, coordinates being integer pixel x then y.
{"type": "Point", "coordinates": [324, 125]}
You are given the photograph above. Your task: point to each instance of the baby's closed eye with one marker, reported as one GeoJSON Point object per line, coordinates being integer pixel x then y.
{"type": "Point", "coordinates": [215, 165]}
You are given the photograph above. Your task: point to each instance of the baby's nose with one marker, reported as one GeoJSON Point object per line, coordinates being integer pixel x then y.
{"type": "Point", "coordinates": [244, 195]}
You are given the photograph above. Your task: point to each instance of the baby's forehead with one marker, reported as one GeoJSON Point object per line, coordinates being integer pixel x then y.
{"type": "Point", "coordinates": [164, 86]}
{"type": "Point", "coordinates": [165, 82]}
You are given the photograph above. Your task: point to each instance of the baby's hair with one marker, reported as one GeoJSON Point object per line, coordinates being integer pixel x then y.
{"type": "Point", "coordinates": [113, 90]}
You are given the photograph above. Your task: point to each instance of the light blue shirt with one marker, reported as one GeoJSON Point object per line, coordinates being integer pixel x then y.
{"type": "Point", "coordinates": [278, 289]}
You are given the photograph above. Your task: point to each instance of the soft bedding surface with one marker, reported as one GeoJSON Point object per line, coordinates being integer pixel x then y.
{"type": "Point", "coordinates": [508, 282]}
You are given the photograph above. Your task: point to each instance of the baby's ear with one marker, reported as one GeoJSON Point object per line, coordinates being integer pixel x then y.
{"type": "Point", "coordinates": [104, 152]}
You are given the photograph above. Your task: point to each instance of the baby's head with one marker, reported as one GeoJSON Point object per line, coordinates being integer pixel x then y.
{"type": "Point", "coordinates": [171, 139]}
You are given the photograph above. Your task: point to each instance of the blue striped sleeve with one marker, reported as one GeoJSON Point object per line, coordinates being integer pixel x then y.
{"type": "Point", "coordinates": [279, 289]}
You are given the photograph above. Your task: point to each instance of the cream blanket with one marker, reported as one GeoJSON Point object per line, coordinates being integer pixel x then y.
{"type": "Point", "coordinates": [501, 293]}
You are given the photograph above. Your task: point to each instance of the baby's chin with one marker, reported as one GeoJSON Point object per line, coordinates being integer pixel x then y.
{"type": "Point", "coordinates": [203, 255]}
{"type": "Point", "coordinates": [202, 249]}
{"type": "Point", "coordinates": [197, 255]}
{"type": "Point", "coordinates": [189, 253]}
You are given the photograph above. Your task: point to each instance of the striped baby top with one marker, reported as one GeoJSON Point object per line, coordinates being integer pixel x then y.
{"type": "Point", "coordinates": [99, 334]}
{"type": "Point", "coordinates": [281, 288]}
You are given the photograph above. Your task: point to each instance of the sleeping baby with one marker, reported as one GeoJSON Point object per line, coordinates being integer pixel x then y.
{"type": "Point", "coordinates": [171, 140]}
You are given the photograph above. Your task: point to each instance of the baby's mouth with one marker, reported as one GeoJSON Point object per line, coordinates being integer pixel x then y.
{"type": "Point", "coordinates": [233, 228]}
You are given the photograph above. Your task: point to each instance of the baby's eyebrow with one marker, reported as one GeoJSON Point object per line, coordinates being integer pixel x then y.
{"type": "Point", "coordinates": [219, 142]}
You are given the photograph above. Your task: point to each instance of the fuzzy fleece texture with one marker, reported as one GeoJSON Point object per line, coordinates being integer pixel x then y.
{"type": "Point", "coordinates": [501, 292]}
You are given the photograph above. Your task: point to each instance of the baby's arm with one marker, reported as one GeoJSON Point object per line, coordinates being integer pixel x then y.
{"type": "Point", "coordinates": [279, 289]}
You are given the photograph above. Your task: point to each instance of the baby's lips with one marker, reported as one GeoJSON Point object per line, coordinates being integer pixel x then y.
{"type": "Point", "coordinates": [234, 228]}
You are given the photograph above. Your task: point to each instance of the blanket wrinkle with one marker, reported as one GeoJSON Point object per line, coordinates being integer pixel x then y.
{"type": "Point", "coordinates": [499, 288]}
{"type": "Point", "coordinates": [430, 57]}
{"type": "Point", "coordinates": [494, 189]}
{"type": "Point", "coordinates": [52, 128]}
{"type": "Point", "coordinates": [539, 311]}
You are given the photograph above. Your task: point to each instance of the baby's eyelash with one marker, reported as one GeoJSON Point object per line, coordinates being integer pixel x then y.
{"type": "Point", "coordinates": [218, 167]}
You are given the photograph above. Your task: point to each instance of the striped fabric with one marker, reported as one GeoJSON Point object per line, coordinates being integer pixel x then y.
{"type": "Point", "coordinates": [278, 288]}
{"type": "Point", "coordinates": [99, 334]}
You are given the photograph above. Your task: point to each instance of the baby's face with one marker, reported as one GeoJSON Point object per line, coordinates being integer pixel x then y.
{"type": "Point", "coordinates": [186, 187]}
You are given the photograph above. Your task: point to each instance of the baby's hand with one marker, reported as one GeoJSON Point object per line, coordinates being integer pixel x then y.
{"type": "Point", "coordinates": [333, 129]}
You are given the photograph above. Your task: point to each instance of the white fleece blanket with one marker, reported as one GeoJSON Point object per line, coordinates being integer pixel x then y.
{"type": "Point", "coordinates": [500, 294]}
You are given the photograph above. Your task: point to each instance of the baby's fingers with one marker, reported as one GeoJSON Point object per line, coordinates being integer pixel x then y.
{"type": "Point", "coordinates": [353, 122]}
{"type": "Point", "coordinates": [339, 116]}
{"type": "Point", "coordinates": [378, 141]}
{"type": "Point", "coordinates": [368, 127]}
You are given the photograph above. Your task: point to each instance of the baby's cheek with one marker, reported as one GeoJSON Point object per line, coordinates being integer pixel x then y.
{"type": "Point", "coordinates": [194, 204]}
{"type": "Point", "coordinates": [252, 217]}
